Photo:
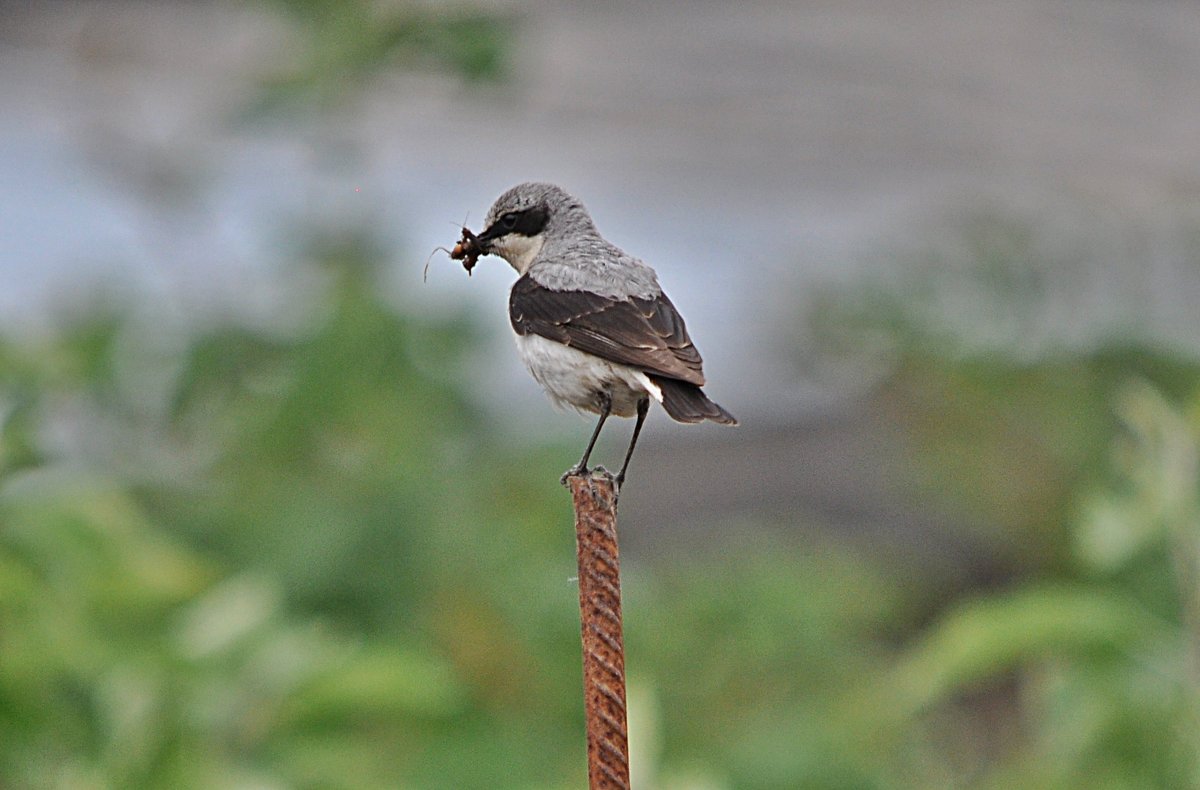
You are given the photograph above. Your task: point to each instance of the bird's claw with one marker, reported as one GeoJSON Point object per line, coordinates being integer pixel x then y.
{"type": "Point", "coordinates": [583, 471]}
{"type": "Point", "coordinates": [572, 472]}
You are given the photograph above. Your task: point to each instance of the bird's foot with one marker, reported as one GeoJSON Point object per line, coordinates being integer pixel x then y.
{"type": "Point", "coordinates": [618, 486]}
{"type": "Point", "coordinates": [583, 471]}
{"type": "Point", "coordinates": [574, 471]}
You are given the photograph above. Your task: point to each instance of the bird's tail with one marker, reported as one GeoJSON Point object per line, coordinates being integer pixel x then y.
{"type": "Point", "coordinates": [688, 403]}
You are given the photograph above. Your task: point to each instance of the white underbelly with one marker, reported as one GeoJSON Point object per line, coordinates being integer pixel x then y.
{"type": "Point", "coordinates": [574, 379]}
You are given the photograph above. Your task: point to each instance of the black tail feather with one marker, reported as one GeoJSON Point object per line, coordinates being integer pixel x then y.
{"type": "Point", "coordinates": [688, 403]}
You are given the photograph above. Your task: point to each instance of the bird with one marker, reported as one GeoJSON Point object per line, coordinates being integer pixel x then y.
{"type": "Point", "coordinates": [592, 323]}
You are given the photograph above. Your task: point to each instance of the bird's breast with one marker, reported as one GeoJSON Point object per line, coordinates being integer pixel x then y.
{"type": "Point", "coordinates": [576, 380]}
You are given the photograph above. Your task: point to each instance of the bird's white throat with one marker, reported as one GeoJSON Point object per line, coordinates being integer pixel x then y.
{"type": "Point", "coordinates": [518, 250]}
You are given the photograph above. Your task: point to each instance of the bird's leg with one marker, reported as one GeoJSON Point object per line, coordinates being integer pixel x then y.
{"type": "Point", "coordinates": [581, 467]}
{"type": "Point", "coordinates": [642, 407]}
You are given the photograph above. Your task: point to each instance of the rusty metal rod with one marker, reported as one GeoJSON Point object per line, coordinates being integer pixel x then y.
{"type": "Point", "coordinates": [595, 501]}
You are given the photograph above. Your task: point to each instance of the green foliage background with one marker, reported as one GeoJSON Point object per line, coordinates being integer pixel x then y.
{"type": "Point", "coordinates": [252, 557]}
{"type": "Point", "coordinates": [307, 563]}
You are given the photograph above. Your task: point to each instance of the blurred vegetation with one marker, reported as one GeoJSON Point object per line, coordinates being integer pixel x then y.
{"type": "Point", "coordinates": [286, 568]}
{"type": "Point", "coordinates": [343, 45]}
{"type": "Point", "coordinates": [1079, 463]}
{"type": "Point", "coordinates": [250, 557]}
{"type": "Point", "coordinates": [304, 561]}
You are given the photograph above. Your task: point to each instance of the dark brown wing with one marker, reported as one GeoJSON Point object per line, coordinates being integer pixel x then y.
{"type": "Point", "coordinates": [647, 334]}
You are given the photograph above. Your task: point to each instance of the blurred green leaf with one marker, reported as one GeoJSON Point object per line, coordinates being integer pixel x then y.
{"type": "Point", "coordinates": [384, 681]}
{"type": "Point", "coordinates": [343, 45]}
{"type": "Point", "coordinates": [998, 634]}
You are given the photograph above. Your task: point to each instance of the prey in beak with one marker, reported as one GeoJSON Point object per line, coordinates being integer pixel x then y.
{"type": "Point", "coordinates": [468, 249]}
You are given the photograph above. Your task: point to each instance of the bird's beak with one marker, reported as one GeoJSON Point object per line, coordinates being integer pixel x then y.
{"type": "Point", "coordinates": [488, 235]}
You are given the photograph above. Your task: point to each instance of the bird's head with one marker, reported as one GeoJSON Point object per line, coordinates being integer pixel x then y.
{"type": "Point", "coordinates": [522, 219]}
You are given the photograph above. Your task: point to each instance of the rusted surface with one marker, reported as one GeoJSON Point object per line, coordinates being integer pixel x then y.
{"type": "Point", "coordinates": [600, 621]}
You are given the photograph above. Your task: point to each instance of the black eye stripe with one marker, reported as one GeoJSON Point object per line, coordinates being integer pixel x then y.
{"type": "Point", "coordinates": [529, 222]}
{"type": "Point", "coordinates": [532, 221]}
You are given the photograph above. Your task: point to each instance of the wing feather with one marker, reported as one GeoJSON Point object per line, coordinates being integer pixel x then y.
{"type": "Point", "coordinates": [648, 334]}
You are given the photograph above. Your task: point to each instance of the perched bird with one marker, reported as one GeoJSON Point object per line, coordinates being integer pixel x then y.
{"type": "Point", "coordinates": [592, 324]}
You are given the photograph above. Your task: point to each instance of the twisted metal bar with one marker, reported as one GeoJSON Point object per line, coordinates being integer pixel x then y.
{"type": "Point", "coordinates": [594, 497]}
